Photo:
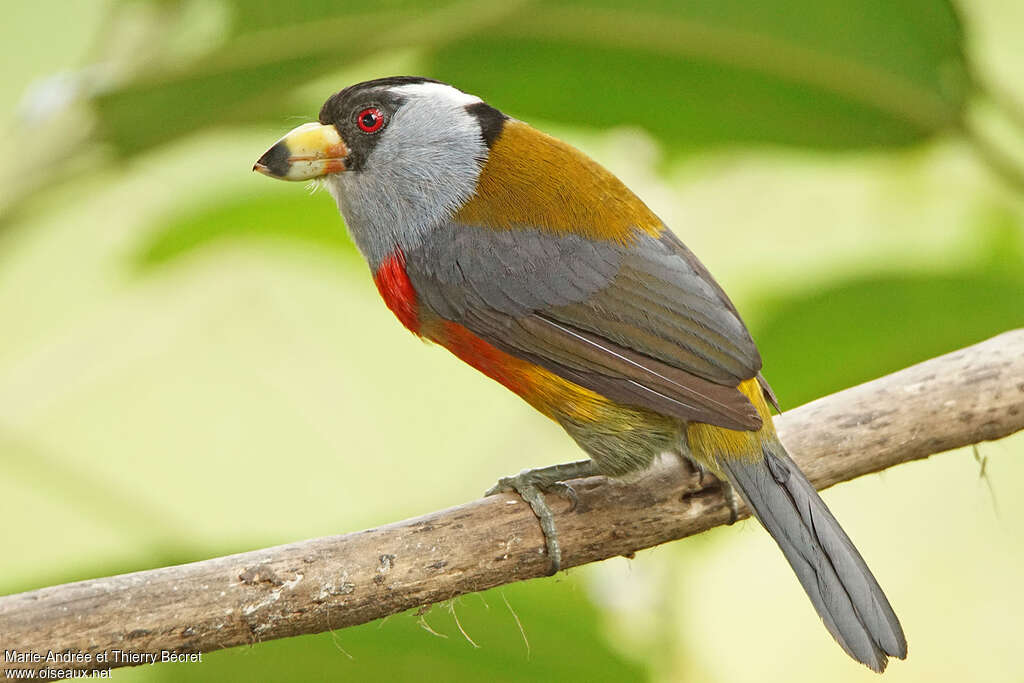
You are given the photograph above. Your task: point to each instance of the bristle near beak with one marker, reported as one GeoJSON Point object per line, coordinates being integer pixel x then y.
{"type": "Point", "coordinates": [310, 151]}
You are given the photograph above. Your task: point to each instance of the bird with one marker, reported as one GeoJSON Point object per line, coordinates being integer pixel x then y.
{"type": "Point", "coordinates": [538, 267]}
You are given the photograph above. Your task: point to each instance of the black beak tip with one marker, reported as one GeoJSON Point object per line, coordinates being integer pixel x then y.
{"type": "Point", "coordinates": [274, 161]}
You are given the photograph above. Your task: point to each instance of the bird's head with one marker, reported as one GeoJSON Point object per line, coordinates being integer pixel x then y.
{"type": "Point", "coordinates": [400, 155]}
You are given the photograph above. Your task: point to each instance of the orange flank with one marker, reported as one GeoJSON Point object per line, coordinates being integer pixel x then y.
{"type": "Point", "coordinates": [514, 374]}
{"type": "Point", "coordinates": [544, 390]}
{"type": "Point", "coordinates": [534, 180]}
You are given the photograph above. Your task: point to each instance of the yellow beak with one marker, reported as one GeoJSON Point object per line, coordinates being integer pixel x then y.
{"type": "Point", "coordinates": [310, 151]}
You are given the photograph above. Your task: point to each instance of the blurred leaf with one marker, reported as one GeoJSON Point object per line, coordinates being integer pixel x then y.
{"type": "Point", "coordinates": [145, 114]}
{"type": "Point", "coordinates": [268, 51]}
{"type": "Point", "coordinates": [561, 626]}
{"type": "Point", "coordinates": [828, 74]}
{"type": "Point", "coordinates": [864, 329]}
{"type": "Point", "coordinates": [266, 15]}
{"type": "Point", "coordinates": [1005, 253]}
{"type": "Point", "coordinates": [287, 216]}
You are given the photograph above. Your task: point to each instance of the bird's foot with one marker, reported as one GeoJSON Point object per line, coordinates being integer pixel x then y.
{"type": "Point", "coordinates": [728, 491]}
{"type": "Point", "coordinates": [731, 499]}
{"type": "Point", "coordinates": [698, 469]}
{"type": "Point", "coordinates": [531, 485]}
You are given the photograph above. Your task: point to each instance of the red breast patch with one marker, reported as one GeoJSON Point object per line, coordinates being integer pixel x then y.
{"type": "Point", "coordinates": [397, 291]}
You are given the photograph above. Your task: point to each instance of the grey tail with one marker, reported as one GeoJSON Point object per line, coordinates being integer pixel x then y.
{"type": "Point", "coordinates": [838, 582]}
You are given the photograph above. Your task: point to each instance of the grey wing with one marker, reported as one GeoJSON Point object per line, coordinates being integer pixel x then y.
{"type": "Point", "coordinates": [637, 323]}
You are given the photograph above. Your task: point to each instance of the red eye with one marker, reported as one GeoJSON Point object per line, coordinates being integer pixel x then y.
{"type": "Point", "coordinates": [370, 120]}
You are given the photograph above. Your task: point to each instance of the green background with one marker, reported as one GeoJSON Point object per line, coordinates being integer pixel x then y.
{"type": "Point", "coordinates": [195, 362]}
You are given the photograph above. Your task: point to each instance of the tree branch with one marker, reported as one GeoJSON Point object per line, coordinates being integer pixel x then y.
{"type": "Point", "coordinates": [968, 396]}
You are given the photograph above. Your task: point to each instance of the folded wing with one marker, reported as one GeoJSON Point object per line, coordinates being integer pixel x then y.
{"type": "Point", "coordinates": [640, 322]}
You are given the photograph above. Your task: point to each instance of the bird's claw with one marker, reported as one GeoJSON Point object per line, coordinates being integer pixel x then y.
{"type": "Point", "coordinates": [507, 485]}
{"type": "Point", "coordinates": [533, 494]}
{"type": "Point", "coordinates": [531, 485]}
{"type": "Point", "coordinates": [565, 491]}
{"type": "Point", "coordinates": [730, 499]}
{"type": "Point", "coordinates": [728, 491]}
